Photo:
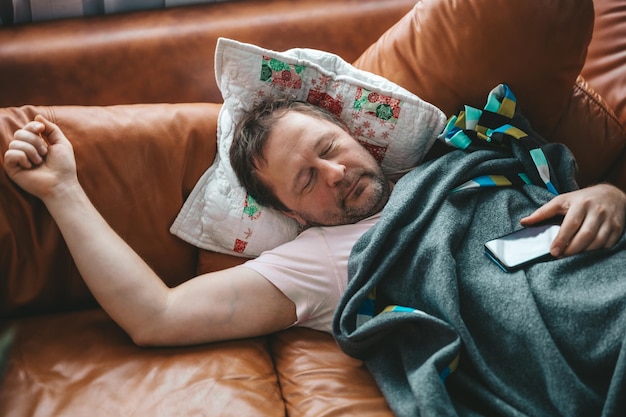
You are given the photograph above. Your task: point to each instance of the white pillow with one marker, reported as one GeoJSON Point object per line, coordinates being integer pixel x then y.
{"type": "Point", "coordinates": [396, 126]}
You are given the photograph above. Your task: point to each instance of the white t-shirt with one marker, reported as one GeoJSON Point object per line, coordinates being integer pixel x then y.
{"type": "Point", "coordinates": [312, 270]}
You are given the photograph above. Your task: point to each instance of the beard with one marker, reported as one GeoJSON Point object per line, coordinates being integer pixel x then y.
{"type": "Point", "coordinates": [369, 197]}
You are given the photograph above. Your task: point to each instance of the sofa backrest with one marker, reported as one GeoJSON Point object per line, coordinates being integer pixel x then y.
{"type": "Point", "coordinates": [454, 53]}
{"type": "Point", "coordinates": [604, 69]}
{"type": "Point", "coordinates": [166, 56]}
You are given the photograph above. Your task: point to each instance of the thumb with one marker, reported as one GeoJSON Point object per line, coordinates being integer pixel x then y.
{"type": "Point", "coordinates": [51, 131]}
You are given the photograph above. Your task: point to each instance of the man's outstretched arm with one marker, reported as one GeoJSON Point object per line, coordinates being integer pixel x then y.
{"type": "Point", "coordinates": [228, 304]}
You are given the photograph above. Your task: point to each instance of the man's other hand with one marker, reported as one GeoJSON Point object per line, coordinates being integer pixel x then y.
{"type": "Point", "coordinates": [594, 218]}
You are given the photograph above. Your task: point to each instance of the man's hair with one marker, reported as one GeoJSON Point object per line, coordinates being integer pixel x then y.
{"type": "Point", "coordinates": [250, 136]}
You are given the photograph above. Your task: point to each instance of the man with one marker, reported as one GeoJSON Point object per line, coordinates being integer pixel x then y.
{"type": "Point", "coordinates": [308, 166]}
{"type": "Point", "coordinates": [262, 153]}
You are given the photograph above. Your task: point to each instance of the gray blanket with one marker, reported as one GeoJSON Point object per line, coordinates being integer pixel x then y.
{"type": "Point", "coordinates": [471, 339]}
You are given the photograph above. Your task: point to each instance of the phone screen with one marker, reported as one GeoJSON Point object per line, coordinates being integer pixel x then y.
{"type": "Point", "coordinates": [523, 246]}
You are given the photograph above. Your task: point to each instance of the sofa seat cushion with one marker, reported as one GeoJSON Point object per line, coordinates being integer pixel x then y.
{"type": "Point", "coordinates": [318, 379]}
{"type": "Point", "coordinates": [83, 364]}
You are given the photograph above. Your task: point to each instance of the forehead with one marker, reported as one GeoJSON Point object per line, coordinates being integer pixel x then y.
{"type": "Point", "coordinates": [293, 141]}
{"type": "Point", "coordinates": [297, 130]}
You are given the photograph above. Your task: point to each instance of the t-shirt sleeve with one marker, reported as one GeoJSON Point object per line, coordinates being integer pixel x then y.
{"type": "Point", "coordinates": [308, 274]}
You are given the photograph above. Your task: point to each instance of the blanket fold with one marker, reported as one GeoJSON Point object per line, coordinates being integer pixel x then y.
{"type": "Point", "coordinates": [462, 337]}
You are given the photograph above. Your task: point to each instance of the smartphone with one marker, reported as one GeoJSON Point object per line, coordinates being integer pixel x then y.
{"type": "Point", "coordinates": [523, 247]}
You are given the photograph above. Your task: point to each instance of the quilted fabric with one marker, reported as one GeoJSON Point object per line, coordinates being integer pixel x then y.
{"type": "Point", "coordinates": [396, 126]}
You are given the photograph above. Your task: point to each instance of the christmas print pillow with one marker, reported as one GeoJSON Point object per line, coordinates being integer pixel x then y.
{"type": "Point", "coordinates": [394, 125]}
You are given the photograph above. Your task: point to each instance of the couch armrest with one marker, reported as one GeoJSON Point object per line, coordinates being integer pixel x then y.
{"type": "Point", "coordinates": [454, 53]}
{"type": "Point", "coordinates": [594, 135]}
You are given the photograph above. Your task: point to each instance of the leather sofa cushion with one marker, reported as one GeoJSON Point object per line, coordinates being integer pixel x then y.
{"type": "Point", "coordinates": [604, 70]}
{"type": "Point", "coordinates": [83, 364]}
{"type": "Point", "coordinates": [317, 379]}
{"type": "Point", "coordinates": [454, 53]}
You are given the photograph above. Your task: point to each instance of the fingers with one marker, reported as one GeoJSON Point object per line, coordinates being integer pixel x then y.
{"type": "Point", "coordinates": [590, 236]}
{"type": "Point", "coordinates": [594, 218]}
{"type": "Point", "coordinates": [555, 207]}
{"type": "Point", "coordinates": [50, 130]}
{"type": "Point", "coordinates": [577, 232]}
{"type": "Point", "coordinates": [598, 230]}
{"type": "Point", "coordinates": [15, 159]}
{"type": "Point", "coordinates": [30, 144]}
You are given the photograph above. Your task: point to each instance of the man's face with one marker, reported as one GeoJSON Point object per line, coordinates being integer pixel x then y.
{"type": "Point", "coordinates": [321, 173]}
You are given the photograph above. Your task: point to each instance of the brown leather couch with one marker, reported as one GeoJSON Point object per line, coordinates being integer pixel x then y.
{"type": "Point", "coordinates": [104, 81]}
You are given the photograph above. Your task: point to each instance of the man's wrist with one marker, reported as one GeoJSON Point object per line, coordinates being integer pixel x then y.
{"type": "Point", "coordinates": [63, 195]}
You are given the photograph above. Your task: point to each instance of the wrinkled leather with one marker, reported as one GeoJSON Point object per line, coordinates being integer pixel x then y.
{"type": "Point", "coordinates": [606, 60]}
{"type": "Point", "coordinates": [453, 53]}
{"type": "Point", "coordinates": [604, 70]}
{"type": "Point", "coordinates": [592, 132]}
{"type": "Point", "coordinates": [312, 372]}
{"type": "Point", "coordinates": [82, 364]}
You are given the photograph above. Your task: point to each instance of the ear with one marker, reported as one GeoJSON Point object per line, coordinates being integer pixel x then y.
{"type": "Point", "coordinates": [295, 216]}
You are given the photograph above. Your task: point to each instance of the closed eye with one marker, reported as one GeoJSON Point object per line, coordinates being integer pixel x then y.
{"type": "Point", "coordinates": [306, 178]}
{"type": "Point", "coordinates": [310, 180]}
{"type": "Point", "coordinates": [326, 152]}
{"type": "Point", "coordinates": [328, 149]}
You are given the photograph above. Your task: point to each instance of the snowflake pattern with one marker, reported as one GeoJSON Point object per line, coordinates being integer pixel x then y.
{"type": "Point", "coordinates": [374, 118]}
{"type": "Point", "coordinates": [377, 151]}
{"type": "Point", "coordinates": [326, 101]}
{"type": "Point", "coordinates": [382, 107]}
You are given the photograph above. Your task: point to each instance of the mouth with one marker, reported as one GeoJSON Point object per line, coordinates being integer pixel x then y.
{"type": "Point", "coordinates": [354, 190]}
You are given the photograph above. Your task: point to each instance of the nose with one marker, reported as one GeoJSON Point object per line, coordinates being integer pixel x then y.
{"type": "Point", "coordinates": [333, 172]}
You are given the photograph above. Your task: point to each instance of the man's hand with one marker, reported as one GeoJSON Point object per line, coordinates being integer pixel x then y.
{"type": "Point", "coordinates": [594, 219]}
{"type": "Point", "coordinates": [40, 159]}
